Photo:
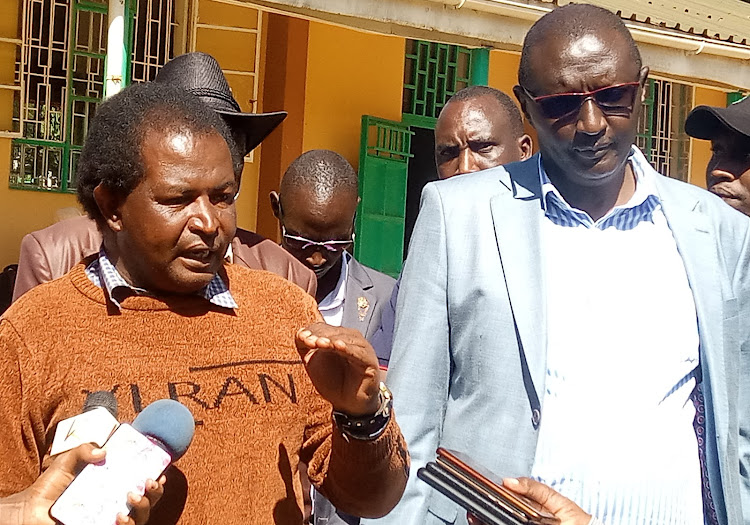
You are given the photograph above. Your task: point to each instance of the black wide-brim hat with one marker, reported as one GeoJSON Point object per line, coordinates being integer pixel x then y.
{"type": "Point", "coordinates": [707, 122]}
{"type": "Point", "coordinates": [201, 75]}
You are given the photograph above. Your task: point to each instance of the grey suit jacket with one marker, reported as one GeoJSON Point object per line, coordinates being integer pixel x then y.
{"type": "Point", "coordinates": [469, 355]}
{"type": "Point", "coordinates": [367, 292]}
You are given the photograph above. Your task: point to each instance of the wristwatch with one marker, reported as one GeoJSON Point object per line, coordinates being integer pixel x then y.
{"type": "Point", "coordinates": [367, 428]}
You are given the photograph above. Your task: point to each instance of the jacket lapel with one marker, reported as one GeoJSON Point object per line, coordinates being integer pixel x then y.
{"type": "Point", "coordinates": [359, 302]}
{"type": "Point", "coordinates": [697, 244]}
{"type": "Point", "coordinates": [516, 217]}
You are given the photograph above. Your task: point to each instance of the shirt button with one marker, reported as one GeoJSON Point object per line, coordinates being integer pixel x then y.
{"type": "Point", "coordinates": [536, 417]}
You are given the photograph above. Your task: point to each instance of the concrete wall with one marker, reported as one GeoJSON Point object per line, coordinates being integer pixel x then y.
{"type": "Point", "coordinates": [503, 75]}
{"type": "Point", "coordinates": [235, 52]}
{"type": "Point", "coordinates": [326, 77]}
{"type": "Point", "coordinates": [349, 74]}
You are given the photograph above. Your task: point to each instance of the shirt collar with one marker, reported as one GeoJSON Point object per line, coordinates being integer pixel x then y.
{"type": "Point", "coordinates": [103, 273]}
{"type": "Point", "coordinates": [336, 296]}
{"type": "Point", "coordinates": [639, 208]}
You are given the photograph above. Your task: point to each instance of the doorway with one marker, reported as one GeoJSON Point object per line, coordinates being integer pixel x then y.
{"type": "Point", "coordinates": [421, 171]}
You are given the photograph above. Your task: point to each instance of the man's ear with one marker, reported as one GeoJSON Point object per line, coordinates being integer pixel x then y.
{"type": "Point", "coordinates": [642, 77]}
{"type": "Point", "coordinates": [109, 203]}
{"type": "Point", "coordinates": [522, 99]}
{"type": "Point", "coordinates": [526, 145]}
{"type": "Point", "coordinates": [275, 204]}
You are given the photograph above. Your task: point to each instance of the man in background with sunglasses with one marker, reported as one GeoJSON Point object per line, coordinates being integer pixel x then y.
{"type": "Point", "coordinates": [577, 317]}
{"type": "Point", "coordinates": [315, 206]}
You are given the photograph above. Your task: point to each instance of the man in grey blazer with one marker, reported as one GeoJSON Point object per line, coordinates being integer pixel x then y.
{"type": "Point", "coordinates": [315, 206]}
{"type": "Point", "coordinates": [576, 317]}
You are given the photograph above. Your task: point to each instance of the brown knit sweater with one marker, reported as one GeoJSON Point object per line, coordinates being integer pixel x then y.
{"type": "Point", "coordinates": [239, 373]}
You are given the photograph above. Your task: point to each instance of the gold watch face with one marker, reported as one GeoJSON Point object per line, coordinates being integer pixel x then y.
{"type": "Point", "coordinates": [386, 400]}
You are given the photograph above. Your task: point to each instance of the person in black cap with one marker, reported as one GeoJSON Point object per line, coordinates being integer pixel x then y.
{"type": "Point", "coordinates": [728, 129]}
{"type": "Point", "coordinates": [50, 253]}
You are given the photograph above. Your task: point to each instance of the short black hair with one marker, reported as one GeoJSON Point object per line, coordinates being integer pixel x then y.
{"type": "Point", "coordinates": [322, 171]}
{"type": "Point", "coordinates": [112, 151]}
{"type": "Point", "coordinates": [515, 121]}
{"type": "Point", "coordinates": [573, 21]}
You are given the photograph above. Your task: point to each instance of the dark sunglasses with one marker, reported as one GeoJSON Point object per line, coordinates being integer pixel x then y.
{"type": "Point", "coordinates": [612, 100]}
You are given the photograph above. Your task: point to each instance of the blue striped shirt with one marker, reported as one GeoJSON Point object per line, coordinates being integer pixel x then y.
{"type": "Point", "coordinates": [616, 433]}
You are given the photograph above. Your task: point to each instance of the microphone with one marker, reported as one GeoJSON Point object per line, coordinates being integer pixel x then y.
{"type": "Point", "coordinates": [103, 399]}
{"type": "Point", "coordinates": [95, 423]}
{"type": "Point", "coordinates": [160, 434]}
{"type": "Point", "coordinates": [169, 424]}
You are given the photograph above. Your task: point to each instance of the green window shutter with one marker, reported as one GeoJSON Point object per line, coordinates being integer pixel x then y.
{"type": "Point", "coordinates": [480, 67]}
{"type": "Point", "coordinates": [735, 96]}
{"type": "Point", "coordinates": [644, 137]}
{"type": "Point", "coordinates": [383, 167]}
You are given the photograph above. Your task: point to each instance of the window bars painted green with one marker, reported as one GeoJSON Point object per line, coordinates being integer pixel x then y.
{"type": "Point", "coordinates": [63, 80]}
{"type": "Point", "coordinates": [64, 56]}
{"type": "Point", "coordinates": [661, 127]}
{"type": "Point", "coordinates": [432, 73]}
{"type": "Point", "coordinates": [383, 167]}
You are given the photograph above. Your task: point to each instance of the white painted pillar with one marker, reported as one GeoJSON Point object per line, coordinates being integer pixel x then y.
{"type": "Point", "coordinates": [114, 69]}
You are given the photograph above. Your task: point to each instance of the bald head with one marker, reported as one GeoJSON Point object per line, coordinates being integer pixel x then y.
{"type": "Point", "coordinates": [317, 202]}
{"type": "Point", "coordinates": [573, 22]}
{"type": "Point", "coordinates": [322, 174]}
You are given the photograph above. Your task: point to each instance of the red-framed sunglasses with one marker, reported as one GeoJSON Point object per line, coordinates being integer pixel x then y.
{"type": "Point", "coordinates": [612, 100]}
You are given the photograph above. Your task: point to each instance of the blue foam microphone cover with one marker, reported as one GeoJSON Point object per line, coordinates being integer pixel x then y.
{"type": "Point", "coordinates": [170, 423]}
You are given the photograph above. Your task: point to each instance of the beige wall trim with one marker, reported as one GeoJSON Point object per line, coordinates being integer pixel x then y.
{"type": "Point", "coordinates": [502, 24]}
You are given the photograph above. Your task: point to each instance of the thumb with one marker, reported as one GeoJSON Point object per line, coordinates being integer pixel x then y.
{"type": "Point", "coordinates": [68, 464]}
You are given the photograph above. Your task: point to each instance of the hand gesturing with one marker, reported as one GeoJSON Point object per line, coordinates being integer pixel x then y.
{"type": "Point", "coordinates": [343, 367]}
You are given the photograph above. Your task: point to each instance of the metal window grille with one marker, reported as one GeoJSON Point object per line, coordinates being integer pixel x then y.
{"type": "Point", "coordinates": [220, 21]}
{"type": "Point", "coordinates": [11, 42]}
{"type": "Point", "coordinates": [154, 26]}
{"type": "Point", "coordinates": [661, 127]}
{"type": "Point", "coordinates": [60, 69]}
{"type": "Point", "coordinates": [62, 79]}
{"type": "Point", "coordinates": [386, 139]}
{"type": "Point", "coordinates": [433, 72]}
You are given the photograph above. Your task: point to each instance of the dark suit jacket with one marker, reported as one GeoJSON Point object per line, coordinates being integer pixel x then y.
{"type": "Point", "coordinates": [50, 253]}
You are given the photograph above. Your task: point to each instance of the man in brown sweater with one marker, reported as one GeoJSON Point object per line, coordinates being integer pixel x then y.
{"type": "Point", "coordinates": [51, 252]}
{"type": "Point", "coordinates": [158, 314]}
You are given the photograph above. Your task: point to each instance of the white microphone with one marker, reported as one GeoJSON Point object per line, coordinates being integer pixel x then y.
{"type": "Point", "coordinates": [159, 435]}
{"type": "Point", "coordinates": [95, 423]}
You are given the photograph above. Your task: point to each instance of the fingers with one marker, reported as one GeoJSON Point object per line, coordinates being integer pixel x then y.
{"type": "Point", "coordinates": [155, 490]}
{"type": "Point", "coordinates": [473, 520]}
{"type": "Point", "coordinates": [347, 342]}
{"type": "Point", "coordinates": [549, 499]}
{"type": "Point", "coordinates": [74, 460]}
{"type": "Point", "coordinates": [142, 505]}
{"type": "Point", "coordinates": [67, 465]}
{"type": "Point", "coordinates": [534, 490]}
